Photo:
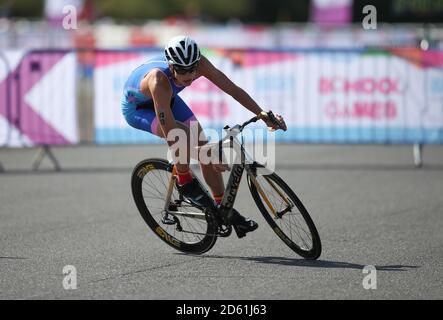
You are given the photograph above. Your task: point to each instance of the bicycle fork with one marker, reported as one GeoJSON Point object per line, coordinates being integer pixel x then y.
{"type": "Point", "coordinates": [275, 213]}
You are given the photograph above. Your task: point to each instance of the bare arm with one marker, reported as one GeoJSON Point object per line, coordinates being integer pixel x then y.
{"type": "Point", "coordinates": [207, 69]}
{"type": "Point", "coordinates": [156, 85]}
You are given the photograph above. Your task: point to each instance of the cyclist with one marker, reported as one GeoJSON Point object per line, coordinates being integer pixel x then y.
{"type": "Point", "coordinates": [151, 103]}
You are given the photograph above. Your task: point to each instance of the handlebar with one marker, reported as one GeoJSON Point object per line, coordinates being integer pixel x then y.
{"type": "Point", "coordinates": [261, 115]}
{"type": "Point", "coordinates": [230, 136]}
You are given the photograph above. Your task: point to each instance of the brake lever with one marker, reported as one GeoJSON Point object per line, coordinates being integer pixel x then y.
{"type": "Point", "coordinates": [274, 120]}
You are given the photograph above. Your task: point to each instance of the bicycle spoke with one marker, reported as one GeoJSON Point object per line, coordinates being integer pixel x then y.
{"type": "Point", "coordinates": [161, 180]}
{"type": "Point", "coordinates": [290, 223]}
{"type": "Point", "coordinates": [298, 233]}
{"type": "Point", "coordinates": [298, 227]}
{"type": "Point", "coordinates": [158, 193]}
{"type": "Point", "coordinates": [146, 197]}
{"type": "Point", "coordinates": [190, 227]}
{"type": "Point", "coordinates": [155, 186]}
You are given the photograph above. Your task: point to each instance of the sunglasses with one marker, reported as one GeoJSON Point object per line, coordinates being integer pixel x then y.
{"type": "Point", "coordinates": [183, 71]}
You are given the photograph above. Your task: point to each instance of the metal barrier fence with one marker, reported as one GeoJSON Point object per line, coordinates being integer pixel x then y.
{"type": "Point", "coordinates": [38, 103]}
{"type": "Point", "coordinates": [5, 112]}
{"type": "Point", "coordinates": [384, 96]}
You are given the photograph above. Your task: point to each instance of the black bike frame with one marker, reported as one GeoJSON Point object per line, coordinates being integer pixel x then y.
{"type": "Point", "coordinates": [230, 194]}
{"type": "Point", "coordinates": [231, 189]}
{"type": "Point", "coordinates": [235, 178]}
{"type": "Point", "coordinates": [234, 181]}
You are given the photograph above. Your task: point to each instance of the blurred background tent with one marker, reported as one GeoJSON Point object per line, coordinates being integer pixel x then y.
{"type": "Point", "coordinates": [256, 23]}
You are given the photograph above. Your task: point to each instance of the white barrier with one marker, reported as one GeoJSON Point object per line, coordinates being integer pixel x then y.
{"type": "Point", "coordinates": [38, 103]}
{"type": "Point", "coordinates": [326, 96]}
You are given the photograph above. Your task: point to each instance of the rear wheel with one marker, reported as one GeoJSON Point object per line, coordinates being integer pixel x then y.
{"type": "Point", "coordinates": [188, 230]}
{"type": "Point", "coordinates": [292, 223]}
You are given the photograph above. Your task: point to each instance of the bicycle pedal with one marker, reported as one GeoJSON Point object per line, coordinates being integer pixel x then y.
{"type": "Point", "coordinates": [168, 221]}
{"type": "Point", "coordinates": [224, 231]}
{"type": "Point", "coordinates": [240, 234]}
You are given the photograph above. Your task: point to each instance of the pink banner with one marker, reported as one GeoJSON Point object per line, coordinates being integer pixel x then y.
{"type": "Point", "coordinates": [331, 12]}
{"type": "Point", "coordinates": [39, 107]}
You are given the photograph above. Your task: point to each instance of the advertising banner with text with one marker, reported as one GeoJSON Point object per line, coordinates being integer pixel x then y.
{"type": "Point", "coordinates": [325, 96]}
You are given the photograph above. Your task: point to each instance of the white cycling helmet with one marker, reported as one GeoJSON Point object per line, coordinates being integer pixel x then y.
{"type": "Point", "coordinates": [182, 51]}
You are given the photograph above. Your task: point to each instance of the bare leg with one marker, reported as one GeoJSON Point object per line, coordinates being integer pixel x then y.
{"type": "Point", "coordinates": [213, 177]}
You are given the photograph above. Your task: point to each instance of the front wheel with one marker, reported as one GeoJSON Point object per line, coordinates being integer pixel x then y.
{"type": "Point", "coordinates": [285, 213]}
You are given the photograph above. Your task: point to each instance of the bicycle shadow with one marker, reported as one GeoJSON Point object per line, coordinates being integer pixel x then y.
{"type": "Point", "coordinates": [309, 263]}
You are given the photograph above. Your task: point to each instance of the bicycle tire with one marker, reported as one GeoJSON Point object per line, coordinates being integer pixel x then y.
{"type": "Point", "coordinates": [140, 172]}
{"type": "Point", "coordinates": [310, 254]}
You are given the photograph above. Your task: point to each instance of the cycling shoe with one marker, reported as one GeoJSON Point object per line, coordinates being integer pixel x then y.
{"type": "Point", "coordinates": [241, 224]}
{"type": "Point", "coordinates": [194, 192]}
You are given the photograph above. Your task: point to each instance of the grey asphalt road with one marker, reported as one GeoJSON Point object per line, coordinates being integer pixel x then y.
{"type": "Point", "coordinates": [371, 207]}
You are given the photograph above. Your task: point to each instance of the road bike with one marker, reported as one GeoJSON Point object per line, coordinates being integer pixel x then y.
{"type": "Point", "coordinates": [190, 228]}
